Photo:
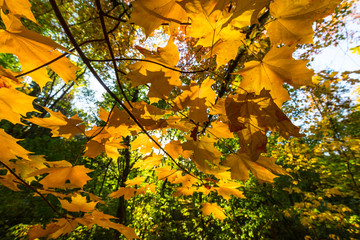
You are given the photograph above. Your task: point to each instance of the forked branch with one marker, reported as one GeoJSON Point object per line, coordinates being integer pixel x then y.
{"type": "Point", "coordinates": [98, 78]}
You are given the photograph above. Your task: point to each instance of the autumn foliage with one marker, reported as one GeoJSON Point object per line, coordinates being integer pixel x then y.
{"type": "Point", "coordinates": [230, 91]}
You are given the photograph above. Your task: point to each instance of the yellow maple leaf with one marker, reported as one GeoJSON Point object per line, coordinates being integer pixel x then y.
{"type": "Point", "coordinates": [174, 148]}
{"type": "Point", "coordinates": [144, 143]}
{"type": "Point", "coordinates": [24, 167]}
{"type": "Point", "coordinates": [212, 208]}
{"type": "Point", "coordinates": [167, 56]}
{"type": "Point", "coordinates": [252, 142]}
{"type": "Point", "coordinates": [103, 220]}
{"type": "Point", "coordinates": [94, 198]}
{"type": "Point", "coordinates": [219, 130]}
{"type": "Point", "coordinates": [186, 191]}
{"type": "Point", "coordinates": [166, 173]}
{"type": "Point", "coordinates": [78, 204]}
{"type": "Point", "coordinates": [210, 25]}
{"type": "Point", "coordinates": [160, 87]}
{"type": "Point", "coordinates": [203, 149]}
{"type": "Point", "coordinates": [103, 141]}
{"type": "Point", "coordinates": [10, 149]}
{"type": "Point", "coordinates": [14, 104]}
{"type": "Point", "coordinates": [150, 14]}
{"type": "Point", "coordinates": [245, 12]}
{"type": "Point", "coordinates": [7, 78]}
{"type": "Point", "coordinates": [251, 116]}
{"type": "Point", "coordinates": [206, 22]}
{"type": "Point", "coordinates": [187, 181]}
{"type": "Point", "coordinates": [269, 163]}
{"type": "Point", "coordinates": [240, 165]}
{"type": "Point", "coordinates": [164, 59]}
{"type": "Point", "coordinates": [19, 8]}
{"type": "Point", "coordinates": [146, 188]}
{"type": "Point", "coordinates": [182, 124]}
{"type": "Point", "coordinates": [127, 192]}
{"type": "Point", "coordinates": [119, 122]}
{"type": "Point", "coordinates": [34, 50]}
{"type": "Point", "coordinates": [58, 176]}
{"type": "Point", "coordinates": [260, 112]}
{"type": "Point", "coordinates": [146, 111]}
{"type": "Point", "coordinates": [219, 172]}
{"type": "Point", "coordinates": [135, 181]}
{"type": "Point", "coordinates": [226, 47]}
{"type": "Point", "coordinates": [37, 231]}
{"type": "Point", "coordinates": [64, 226]}
{"type": "Point", "coordinates": [226, 189]}
{"type": "Point", "coordinates": [205, 190]}
{"type": "Point", "coordinates": [277, 67]}
{"type": "Point", "coordinates": [294, 19]}
{"type": "Point", "coordinates": [149, 162]}
{"type": "Point", "coordinates": [112, 146]}
{"type": "Point", "coordinates": [197, 98]}
{"type": "Point", "coordinates": [128, 232]}
{"type": "Point", "coordinates": [60, 125]}
{"type": "Point", "coordinates": [10, 181]}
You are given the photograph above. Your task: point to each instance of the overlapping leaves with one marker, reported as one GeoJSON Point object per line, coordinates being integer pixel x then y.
{"type": "Point", "coordinates": [204, 112]}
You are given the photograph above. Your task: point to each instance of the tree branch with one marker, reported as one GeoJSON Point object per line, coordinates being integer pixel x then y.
{"type": "Point", "coordinates": [107, 40]}
{"type": "Point", "coordinates": [97, 77]}
{"type": "Point", "coordinates": [34, 190]}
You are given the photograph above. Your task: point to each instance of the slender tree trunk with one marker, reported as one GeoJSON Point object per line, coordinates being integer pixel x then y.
{"type": "Point", "coordinates": [121, 209]}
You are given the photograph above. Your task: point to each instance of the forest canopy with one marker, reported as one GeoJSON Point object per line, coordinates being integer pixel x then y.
{"type": "Point", "coordinates": [194, 136]}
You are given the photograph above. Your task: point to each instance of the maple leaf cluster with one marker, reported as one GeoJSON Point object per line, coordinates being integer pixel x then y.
{"type": "Point", "coordinates": [204, 112]}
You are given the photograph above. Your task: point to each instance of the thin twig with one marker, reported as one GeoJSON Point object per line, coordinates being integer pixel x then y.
{"type": "Point", "coordinates": [103, 181]}
{"type": "Point", "coordinates": [107, 121]}
{"type": "Point", "coordinates": [55, 59]}
{"type": "Point", "coordinates": [41, 66]}
{"type": "Point", "coordinates": [146, 60]}
{"type": "Point", "coordinates": [34, 190]}
{"type": "Point", "coordinates": [107, 40]}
